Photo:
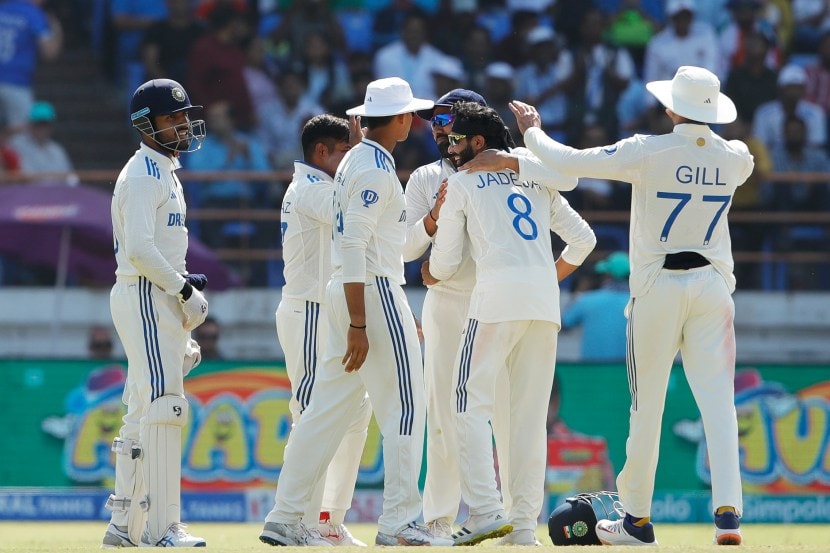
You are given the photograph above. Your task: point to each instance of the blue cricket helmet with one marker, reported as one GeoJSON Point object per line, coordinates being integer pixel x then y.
{"type": "Point", "coordinates": [163, 97]}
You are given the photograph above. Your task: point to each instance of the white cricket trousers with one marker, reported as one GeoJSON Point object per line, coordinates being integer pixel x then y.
{"type": "Point", "coordinates": [301, 329]}
{"type": "Point", "coordinates": [393, 377]}
{"type": "Point", "coordinates": [527, 351]}
{"type": "Point", "coordinates": [442, 322]}
{"type": "Point", "coordinates": [691, 311]}
{"type": "Point", "coordinates": [149, 325]}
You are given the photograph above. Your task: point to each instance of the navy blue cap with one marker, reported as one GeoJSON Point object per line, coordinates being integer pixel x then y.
{"type": "Point", "coordinates": [451, 98]}
{"type": "Point", "coordinates": [159, 97]}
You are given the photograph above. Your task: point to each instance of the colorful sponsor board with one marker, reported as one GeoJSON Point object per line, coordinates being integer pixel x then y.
{"type": "Point", "coordinates": [61, 417]}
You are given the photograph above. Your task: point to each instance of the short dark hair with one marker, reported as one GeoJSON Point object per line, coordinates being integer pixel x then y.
{"type": "Point", "coordinates": [376, 122]}
{"type": "Point", "coordinates": [474, 119]}
{"type": "Point", "coordinates": [327, 129]}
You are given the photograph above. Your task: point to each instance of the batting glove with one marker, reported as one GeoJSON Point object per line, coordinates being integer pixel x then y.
{"type": "Point", "coordinates": [194, 305]}
{"type": "Point", "coordinates": [198, 281]}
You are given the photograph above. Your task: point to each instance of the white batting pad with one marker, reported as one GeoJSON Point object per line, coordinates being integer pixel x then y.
{"type": "Point", "coordinates": [162, 462]}
{"type": "Point", "coordinates": [125, 503]}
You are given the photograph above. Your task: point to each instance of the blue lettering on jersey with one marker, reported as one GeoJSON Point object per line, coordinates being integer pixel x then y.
{"type": "Point", "coordinates": [403, 217]}
{"type": "Point", "coordinates": [698, 175]}
{"type": "Point", "coordinates": [175, 220]}
{"type": "Point", "coordinates": [313, 178]}
{"type": "Point", "coordinates": [152, 168]}
{"type": "Point", "coordinates": [286, 207]}
{"type": "Point", "coordinates": [369, 197]}
{"type": "Point", "coordinates": [497, 179]}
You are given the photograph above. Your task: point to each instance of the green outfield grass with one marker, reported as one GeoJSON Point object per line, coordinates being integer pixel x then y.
{"type": "Point", "coordinates": [46, 537]}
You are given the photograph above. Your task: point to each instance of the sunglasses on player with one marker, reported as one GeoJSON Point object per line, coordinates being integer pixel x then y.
{"type": "Point", "coordinates": [455, 138]}
{"type": "Point", "coordinates": [442, 119]}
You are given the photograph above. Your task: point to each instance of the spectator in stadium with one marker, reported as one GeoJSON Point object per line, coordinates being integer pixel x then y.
{"type": "Point", "coordinates": [9, 160]}
{"type": "Point", "coordinates": [795, 155]}
{"type": "Point", "coordinates": [752, 82]}
{"type": "Point", "coordinates": [631, 27]}
{"type": "Point", "coordinates": [301, 19]}
{"type": "Point", "coordinates": [812, 18]}
{"type": "Point", "coordinates": [476, 53]}
{"type": "Point", "coordinates": [216, 65]}
{"type": "Point", "coordinates": [282, 120]}
{"type": "Point", "coordinates": [411, 57]}
{"type": "Point", "coordinates": [817, 87]}
{"type": "Point", "coordinates": [601, 312]}
{"type": "Point", "coordinates": [746, 20]}
{"type": "Point", "coordinates": [130, 20]}
{"type": "Point", "coordinates": [498, 86]}
{"type": "Point", "coordinates": [325, 71]}
{"type": "Point", "coordinates": [207, 336]}
{"type": "Point", "coordinates": [99, 343]}
{"type": "Point", "coordinates": [768, 123]}
{"type": "Point", "coordinates": [684, 41]}
{"type": "Point", "coordinates": [29, 34]}
{"type": "Point", "coordinates": [39, 153]}
{"type": "Point", "coordinates": [226, 149]}
{"type": "Point", "coordinates": [545, 79]}
{"type": "Point", "coordinates": [167, 43]}
{"type": "Point", "coordinates": [601, 75]}
{"type": "Point", "coordinates": [448, 75]}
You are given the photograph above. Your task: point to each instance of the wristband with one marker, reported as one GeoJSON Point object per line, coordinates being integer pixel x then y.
{"type": "Point", "coordinates": [357, 327]}
{"type": "Point", "coordinates": [186, 291]}
{"type": "Point", "coordinates": [431, 217]}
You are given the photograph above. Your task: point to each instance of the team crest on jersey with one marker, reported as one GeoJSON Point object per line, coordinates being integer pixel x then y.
{"type": "Point", "coordinates": [178, 94]}
{"type": "Point", "coordinates": [610, 150]}
{"type": "Point", "coordinates": [369, 197]}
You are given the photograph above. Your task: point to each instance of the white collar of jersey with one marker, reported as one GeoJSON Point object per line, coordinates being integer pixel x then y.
{"type": "Point", "coordinates": [172, 163]}
{"type": "Point", "coordinates": [309, 169]}
{"type": "Point", "coordinates": [691, 129]}
{"type": "Point", "coordinates": [383, 150]}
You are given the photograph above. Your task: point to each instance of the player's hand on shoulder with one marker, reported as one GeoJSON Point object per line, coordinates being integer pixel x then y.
{"type": "Point", "coordinates": [491, 160]}
{"type": "Point", "coordinates": [526, 115]}
{"type": "Point", "coordinates": [356, 132]}
{"type": "Point", "coordinates": [194, 306]}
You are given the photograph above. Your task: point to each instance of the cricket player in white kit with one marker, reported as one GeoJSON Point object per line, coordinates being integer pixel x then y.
{"type": "Point", "coordinates": [372, 343]}
{"type": "Point", "coordinates": [301, 314]}
{"type": "Point", "coordinates": [444, 316]}
{"type": "Point", "coordinates": [154, 307]}
{"type": "Point", "coordinates": [681, 284]}
{"type": "Point", "coordinates": [512, 325]}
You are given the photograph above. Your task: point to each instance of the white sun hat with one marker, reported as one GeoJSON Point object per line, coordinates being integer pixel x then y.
{"type": "Point", "coordinates": [389, 96]}
{"type": "Point", "coordinates": [694, 93]}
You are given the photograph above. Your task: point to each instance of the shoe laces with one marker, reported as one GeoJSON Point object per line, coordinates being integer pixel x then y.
{"type": "Point", "coordinates": [179, 529]}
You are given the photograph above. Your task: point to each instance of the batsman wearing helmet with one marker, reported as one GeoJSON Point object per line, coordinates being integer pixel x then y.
{"type": "Point", "coordinates": [154, 304]}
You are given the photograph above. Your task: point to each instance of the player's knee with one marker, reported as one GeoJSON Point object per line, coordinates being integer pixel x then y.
{"type": "Point", "coordinates": [168, 410]}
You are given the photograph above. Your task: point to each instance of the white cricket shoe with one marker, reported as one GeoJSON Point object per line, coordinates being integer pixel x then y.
{"type": "Point", "coordinates": [174, 536]}
{"type": "Point", "coordinates": [440, 528]}
{"type": "Point", "coordinates": [338, 534]}
{"type": "Point", "coordinates": [478, 528]}
{"type": "Point", "coordinates": [520, 537]}
{"type": "Point", "coordinates": [412, 535]}
{"type": "Point", "coordinates": [619, 532]}
{"type": "Point", "coordinates": [116, 536]}
{"type": "Point", "coordinates": [277, 533]}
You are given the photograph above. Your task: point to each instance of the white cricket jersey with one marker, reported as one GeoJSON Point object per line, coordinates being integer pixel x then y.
{"type": "Point", "coordinates": [508, 224]}
{"type": "Point", "coordinates": [306, 233]}
{"type": "Point", "coordinates": [682, 186]}
{"type": "Point", "coordinates": [369, 216]}
{"type": "Point", "coordinates": [148, 220]}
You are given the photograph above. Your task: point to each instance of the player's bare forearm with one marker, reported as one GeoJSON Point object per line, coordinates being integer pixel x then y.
{"type": "Point", "coordinates": [492, 160]}
{"type": "Point", "coordinates": [426, 276]}
{"type": "Point", "coordinates": [357, 342]}
{"type": "Point", "coordinates": [564, 269]}
{"type": "Point", "coordinates": [431, 218]}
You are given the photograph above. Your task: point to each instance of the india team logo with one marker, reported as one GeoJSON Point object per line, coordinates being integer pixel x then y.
{"type": "Point", "coordinates": [579, 528]}
{"type": "Point", "coordinates": [178, 94]}
{"type": "Point", "coordinates": [369, 197]}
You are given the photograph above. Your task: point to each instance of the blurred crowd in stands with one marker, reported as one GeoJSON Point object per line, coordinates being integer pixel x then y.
{"type": "Point", "coordinates": [261, 68]}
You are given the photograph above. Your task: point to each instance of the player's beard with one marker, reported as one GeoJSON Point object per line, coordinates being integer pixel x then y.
{"type": "Point", "coordinates": [464, 156]}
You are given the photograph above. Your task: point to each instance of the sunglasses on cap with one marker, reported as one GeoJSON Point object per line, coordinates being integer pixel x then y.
{"type": "Point", "coordinates": [455, 138]}
{"type": "Point", "coordinates": [442, 119]}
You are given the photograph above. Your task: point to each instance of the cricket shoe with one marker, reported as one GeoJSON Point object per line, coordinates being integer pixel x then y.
{"type": "Point", "coordinates": [174, 536]}
{"type": "Point", "coordinates": [520, 537]}
{"type": "Point", "coordinates": [338, 534]}
{"type": "Point", "coordinates": [412, 535]}
{"type": "Point", "coordinates": [478, 528]}
{"type": "Point", "coordinates": [440, 528]}
{"type": "Point", "coordinates": [278, 533]}
{"type": "Point", "coordinates": [727, 529]}
{"type": "Point", "coordinates": [623, 532]}
{"type": "Point", "coordinates": [116, 536]}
